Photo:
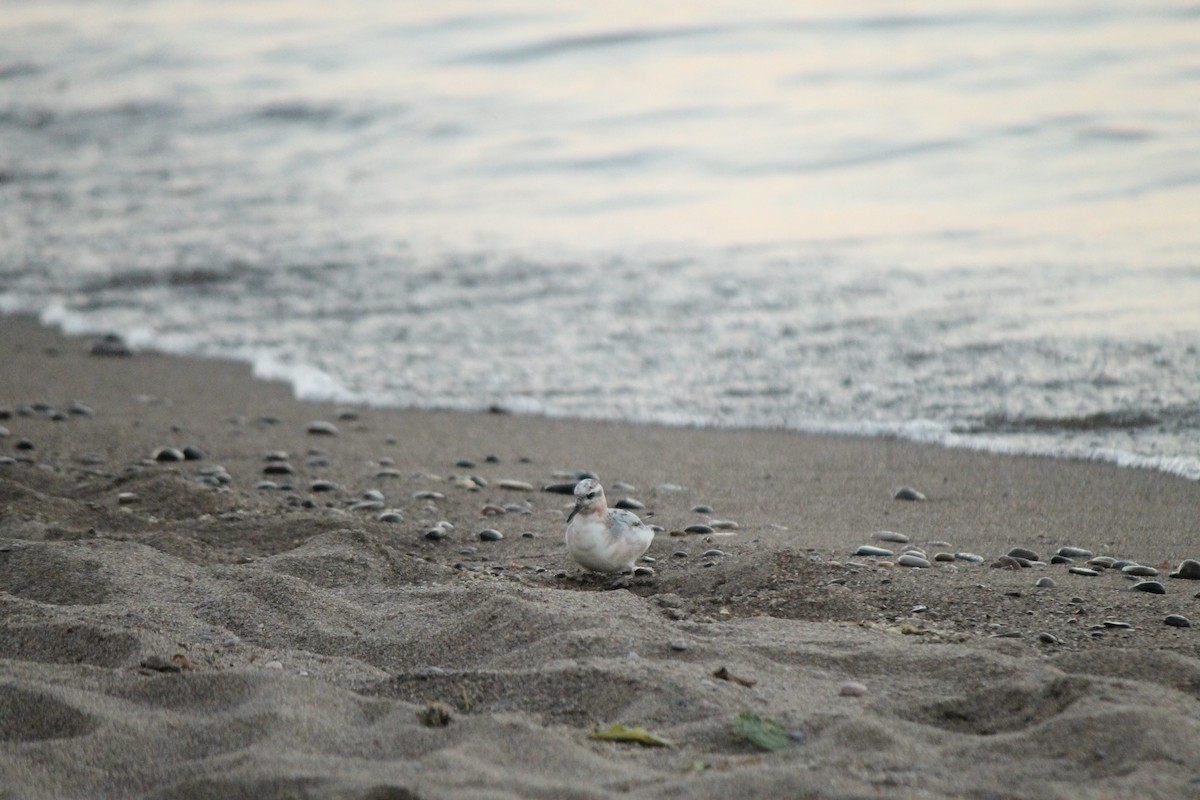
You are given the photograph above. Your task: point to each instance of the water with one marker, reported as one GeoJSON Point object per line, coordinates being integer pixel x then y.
{"type": "Point", "coordinates": [970, 223]}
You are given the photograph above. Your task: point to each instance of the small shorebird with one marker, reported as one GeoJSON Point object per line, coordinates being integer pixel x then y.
{"type": "Point", "coordinates": [601, 538]}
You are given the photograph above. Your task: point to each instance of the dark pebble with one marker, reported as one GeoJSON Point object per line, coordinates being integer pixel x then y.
{"type": "Point", "coordinates": [907, 493]}
{"type": "Point", "coordinates": [679, 554]}
{"type": "Point", "coordinates": [629, 504]}
{"type": "Point", "coordinates": [323, 486]}
{"type": "Point", "coordinates": [167, 454]}
{"type": "Point", "coordinates": [492, 459]}
{"type": "Point", "coordinates": [1045, 583]}
{"type": "Point", "coordinates": [1074, 552]}
{"type": "Point", "coordinates": [700, 529]}
{"type": "Point", "coordinates": [427, 495]}
{"type": "Point", "coordinates": [1025, 553]}
{"type": "Point", "coordinates": [435, 534]}
{"type": "Point", "coordinates": [1123, 563]}
{"type": "Point", "coordinates": [276, 455]}
{"type": "Point", "coordinates": [24, 444]}
{"type": "Point", "coordinates": [1140, 571]}
{"type": "Point", "coordinates": [391, 516]}
{"type": "Point", "coordinates": [193, 453]}
{"type": "Point", "coordinates": [702, 509]}
{"type": "Point", "coordinates": [279, 468]}
{"type": "Point", "coordinates": [110, 346]}
{"type": "Point", "coordinates": [1153, 587]}
{"type": "Point", "coordinates": [943, 556]}
{"type": "Point", "coordinates": [266, 485]}
{"type": "Point", "coordinates": [1060, 559]}
{"type": "Point", "coordinates": [490, 535]}
{"type": "Point", "coordinates": [1189, 569]}
{"type": "Point", "coordinates": [1177, 621]}
{"type": "Point", "coordinates": [1101, 561]}
{"type": "Point", "coordinates": [1006, 562]}
{"type": "Point", "coordinates": [1090, 573]}
{"type": "Point", "coordinates": [714, 553]}
{"type": "Point", "coordinates": [367, 505]}
{"type": "Point", "coordinates": [560, 488]}
{"type": "Point", "coordinates": [1116, 624]}
{"type": "Point", "coordinates": [465, 463]}
{"type": "Point", "coordinates": [322, 428]}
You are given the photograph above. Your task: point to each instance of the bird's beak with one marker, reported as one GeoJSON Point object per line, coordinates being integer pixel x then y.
{"type": "Point", "coordinates": [574, 511]}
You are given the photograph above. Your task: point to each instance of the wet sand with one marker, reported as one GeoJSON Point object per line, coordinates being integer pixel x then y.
{"type": "Point", "coordinates": [171, 629]}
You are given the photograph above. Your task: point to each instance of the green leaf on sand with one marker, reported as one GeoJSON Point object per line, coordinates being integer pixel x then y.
{"type": "Point", "coordinates": [765, 733]}
{"type": "Point", "coordinates": [621, 733]}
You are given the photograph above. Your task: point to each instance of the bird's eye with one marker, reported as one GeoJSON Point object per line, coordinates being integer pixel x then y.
{"type": "Point", "coordinates": [591, 495]}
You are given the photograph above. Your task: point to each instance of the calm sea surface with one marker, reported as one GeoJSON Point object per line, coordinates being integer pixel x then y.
{"type": "Point", "coordinates": [976, 223]}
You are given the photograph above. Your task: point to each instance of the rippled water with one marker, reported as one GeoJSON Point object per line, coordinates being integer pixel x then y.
{"type": "Point", "coordinates": [973, 223]}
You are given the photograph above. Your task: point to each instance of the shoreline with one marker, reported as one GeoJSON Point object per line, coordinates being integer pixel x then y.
{"type": "Point", "coordinates": [222, 638]}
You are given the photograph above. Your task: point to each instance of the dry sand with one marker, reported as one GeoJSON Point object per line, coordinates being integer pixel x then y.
{"type": "Point", "coordinates": [207, 638]}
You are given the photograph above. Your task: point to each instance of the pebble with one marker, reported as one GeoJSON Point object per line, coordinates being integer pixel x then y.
{"type": "Point", "coordinates": [670, 487]}
{"type": "Point", "coordinates": [630, 504]}
{"type": "Point", "coordinates": [700, 529]}
{"type": "Point", "coordinates": [490, 535]}
{"type": "Point", "coordinates": [435, 534]}
{"type": "Point", "coordinates": [273, 665]}
{"type": "Point", "coordinates": [560, 488]}
{"type": "Point", "coordinates": [367, 505]}
{"type": "Point", "coordinates": [1123, 563]}
{"type": "Point", "coordinates": [969, 557]}
{"type": "Point", "coordinates": [193, 453]}
{"type": "Point", "coordinates": [167, 454]}
{"type": "Point", "coordinates": [1048, 638]}
{"type": "Point", "coordinates": [851, 689]}
{"type": "Point", "coordinates": [679, 645]}
{"type": "Point", "coordinates": [912, 560]}
{"type": "Point", "coordinates": [1091, 573]}
{"type": "Point", "coordinates": [1025, 553]}
{"type": "Point", "coordinates": [111, 345]}
{"type": "Point", "coordinates": [1059, 559]}
{"type": "Point", "coordinates": [125, 498]}
{"type": "Point", "coordinates": [373, 494]}
{"type": "Point", "coordinates": [943, 556]}
{"type": "Point", "coordinates": [4, 432]}
{"type": "Point", "coordinates": [723, 524]}
{"type": "Point", "coordinates": [1101, 561]}
{"type": "Point", "coordinates": [275, 455]}
{"type": "Point", "coordinates": [323, 486]}
{"type": "Point", "coordinates": [679, 554]}
{"type": "Point", "coordinates": [388, 472]}
{"type": "Point", "coordinates": [270, 485]}
{"type": "Point", "coordinates": [518, 486]}
{"type": "Point", "coordinates": [24, 444]}
{"type": "Point", "coordinates": [622, 486]}
{"type": "Point", "coordinates": [1189, 569]}
{"type": "Point", "coordinates": [391, 516]}
{"type": "Point", "coordinates": [1006, 562]}
{"type": "Point", "coordinates": [1153, 587]}
{"type": "Point", "coordinates": [643, 572]}
{"type": "Point", "coordinates": [907, 493]}
{"type": "Point", "coordinates": [82, 409]}
{"type": "Point", "coordinates": [428, 495]}
{"type": "Point", "coordinates": [890, 536]}
{"type": "Point", "coordinates": [1045, 583]}
{"type": "Point", "coordinates": [279, 468]}
{"type": "Point", "coordinates": [715, 553]}
{"type": "Point", "coordinates": [1112, 623]}
{"type": "Point", "coordinates": [1140, 571]}
{"type": "Point", "coordinates": [868, 550]}
{"type": "Point", "coordinates": [702, 509]}
{"type": "Point", "coordinates": [1074, 552]}
{"type": "Point", "coordinates": [1177, 621]}
{"type": "Point", "coordinates": [322, 428]}
{"type": "Point", "coordinates": [465, 463]}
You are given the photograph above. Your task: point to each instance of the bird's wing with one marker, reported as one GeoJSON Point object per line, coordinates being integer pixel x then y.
{"type": "Point", "coordinates": [622, 517]}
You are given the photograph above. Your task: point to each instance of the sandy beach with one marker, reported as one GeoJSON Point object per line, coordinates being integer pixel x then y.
{"type": "Point", "coordinates": [267, 617]}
